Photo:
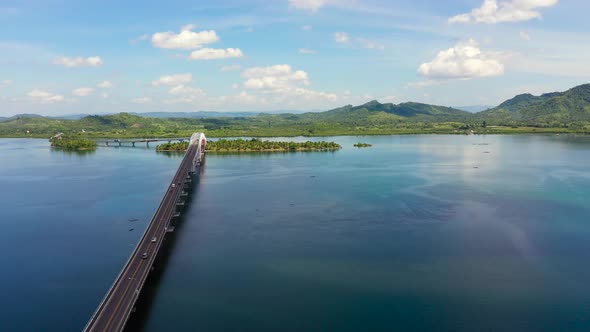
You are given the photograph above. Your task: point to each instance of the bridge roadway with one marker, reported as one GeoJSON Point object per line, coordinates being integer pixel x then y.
{"type": "Point", "coordinates": [114, 311]}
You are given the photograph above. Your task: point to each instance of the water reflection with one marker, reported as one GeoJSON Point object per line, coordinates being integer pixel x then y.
{"type": "Point", "coordinates": [74, 153]}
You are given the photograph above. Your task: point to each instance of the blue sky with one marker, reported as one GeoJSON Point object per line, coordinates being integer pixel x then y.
{"type": "Point", "coordinates": [64, 57]}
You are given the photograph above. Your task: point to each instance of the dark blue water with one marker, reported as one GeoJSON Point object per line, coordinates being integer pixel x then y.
{"type": "Point", "coordinates": [445, 233]}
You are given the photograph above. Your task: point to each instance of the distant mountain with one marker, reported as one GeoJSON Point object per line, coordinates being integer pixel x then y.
{"type": "Point", "coordinates": [29, 115]}
{"type": "Point", "coordinates": [161, 115]}
{"type": "Point", "coordinates": [195, 115]}
{"type": "Point", "coordinates": [473, 108]}
{"type": "Point", "coordinates": [547, 109]}
{"type": "Point", "coordinates": [26, 115]}
{"type": "Point", "coordinates": [376, 112]}
{"type": "Point", "coordinates": [568, 110]}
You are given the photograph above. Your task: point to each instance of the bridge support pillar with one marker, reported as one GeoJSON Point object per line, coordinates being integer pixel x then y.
{"type": "Point", "coordinates": [133, 144]}
{"type": "Point", "coordinates": [107, 143]}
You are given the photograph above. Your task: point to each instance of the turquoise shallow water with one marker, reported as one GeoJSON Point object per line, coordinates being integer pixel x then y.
{"type": "Point", "coordinates": [445, 233]}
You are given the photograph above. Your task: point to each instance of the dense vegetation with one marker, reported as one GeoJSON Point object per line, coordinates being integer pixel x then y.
{"type": "Point", "coordinates": [254, 144]}
{"type": "Point", "coordinates": [73, 143]}
{"type": "Point", "coordinates": [178, 146]}
{"type": "Point", "coordinates": [362, 145]}
{"type": "Point", "coordinates": [553, 112]}
{"type": "Point", "coordinates": [570, 109]}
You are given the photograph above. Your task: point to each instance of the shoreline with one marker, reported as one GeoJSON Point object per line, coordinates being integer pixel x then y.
{"type": "Point", "coordinates": [237, 135]}
{"type": "Point", "coordinates": [539, 132]}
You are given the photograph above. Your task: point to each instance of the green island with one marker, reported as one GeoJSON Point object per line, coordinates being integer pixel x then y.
{"type": "Point", "coordinates": [172, 147]}
{"type": "Point", "coordinates": [224, 145]}
{"type": "Point", "coordinates": [363, 145]}
{"type": "Point", "coordinates": [556, 112]}
{"type": "Point", "coordinates": [254, 145]}
{"type": "Point", "coordinates": [72, 143]}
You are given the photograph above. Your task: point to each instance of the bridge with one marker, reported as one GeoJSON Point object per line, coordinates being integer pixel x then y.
{"type": "Point", "coordinates": [133, 141]}
{"type": "Point", "coordinates": [119, 303]}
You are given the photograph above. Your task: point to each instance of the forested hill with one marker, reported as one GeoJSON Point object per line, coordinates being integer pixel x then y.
{"type": "Point", "coordinates": [376, 112]}
{"type": "Point", "coordinates": [549, 110]}
{"type": "Point", "coordinates": [556, 112]}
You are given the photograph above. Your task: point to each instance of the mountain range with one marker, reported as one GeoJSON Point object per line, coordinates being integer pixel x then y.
{"type": "Point", "coordinates": [565, 110]}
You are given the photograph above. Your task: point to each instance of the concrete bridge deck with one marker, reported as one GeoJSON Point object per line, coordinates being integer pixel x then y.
{"type": "Point", "coordinates": [114, 311]}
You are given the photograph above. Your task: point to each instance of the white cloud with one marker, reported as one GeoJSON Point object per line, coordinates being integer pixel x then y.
{"type": "Point", "coordinates": [92, 61]}
{"type": "Point", "coordinates": [139, 39]}
{"type": "Point", "coordinates": [306, 51]}
{"type": "Point", "coordinates": [105, 85]}
{"type": "Point", "coordinates": [310, 5]}
{"type": "Point", "coordinates": [141, 100]}
{"type": "Point", "coordinates": [344, 38]}
{"type": "Point", "coordinates": [45, 97]}
{"type": "Point", "coordinates": [185, 94]}
{"type": "Point", "coordinates": [185, 40]}
{"type": "Point", "coordinates": [525, 36]}
{"type": "Point", "coordinates": [275, 77]}
{"type": "Point", "coordinates": [213, 54]}
{"type": "Point", "coordinates": [311, 95]}
{"type": "Point", "coordinates": [370, 44]}
{"type": "Point", "coordinates": [83, 92]}
{"type": "Point", "coordinates": [306, 27]}
{"type": "Point", "coordinates": [492, 11]}
{"type": "Point", "coordinates": [105, 95]}
{"type": "Point", "coordinates": [341, 37]}
{"type": "Point", "coordinates": [231, 68]}
{"type": "Point", "coordinates": [175, 79]}
{"type": "Point", "coordinates": [185, 90]}
{"type": "Point", "coordinates": [465, 60]}
{"type": "Point", "coordinates": [286, 84]}
{"type": "Point", "coordinates": [4, 83]}
{"type": "Point", "coordinates": [188, 27]}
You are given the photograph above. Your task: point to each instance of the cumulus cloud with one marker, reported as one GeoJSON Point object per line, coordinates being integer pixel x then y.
{"type": "Point", "coordinates": [310, 5]}
{"type": "Point", "coordinates": [231, 68]}
{"type": "Point", "coordinates": [141, 100]}
{"type": "Point", "coordinates": [306, 51]}
{"type": "Point", "coordinates": [185, 90]}
{"type": "Point", "coordinates": [92, 61]}
{"type": "Point", "coordinates": [492, 11]}
{"type": "Point", "coordinates": [274, 77]}
{"type": "Point", "coordinates": [186, 39]}
{"type": "Point", "coordinates": [45, 97]}
{"type": "Point", "coordinates": [213, 54]}
{"type": "Point", "coordinates": [175, 79]}
{"type": "Point", "coordinates": [4, 83]}
{"type": "Point", "coordinates": [465, 60]}
{"type": "Point", "coordinates": [105, 85]}
{"type": "Point", "coordinates": [186, 94]}
{"type": "Point", "coordinates": [83, 92]}
{"type": "Point", "coordinates": [283, 81]}
{"type": "Point", "coordinates": [341, 37]}
{"type": "Point", "coordinates": [525, 36]}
